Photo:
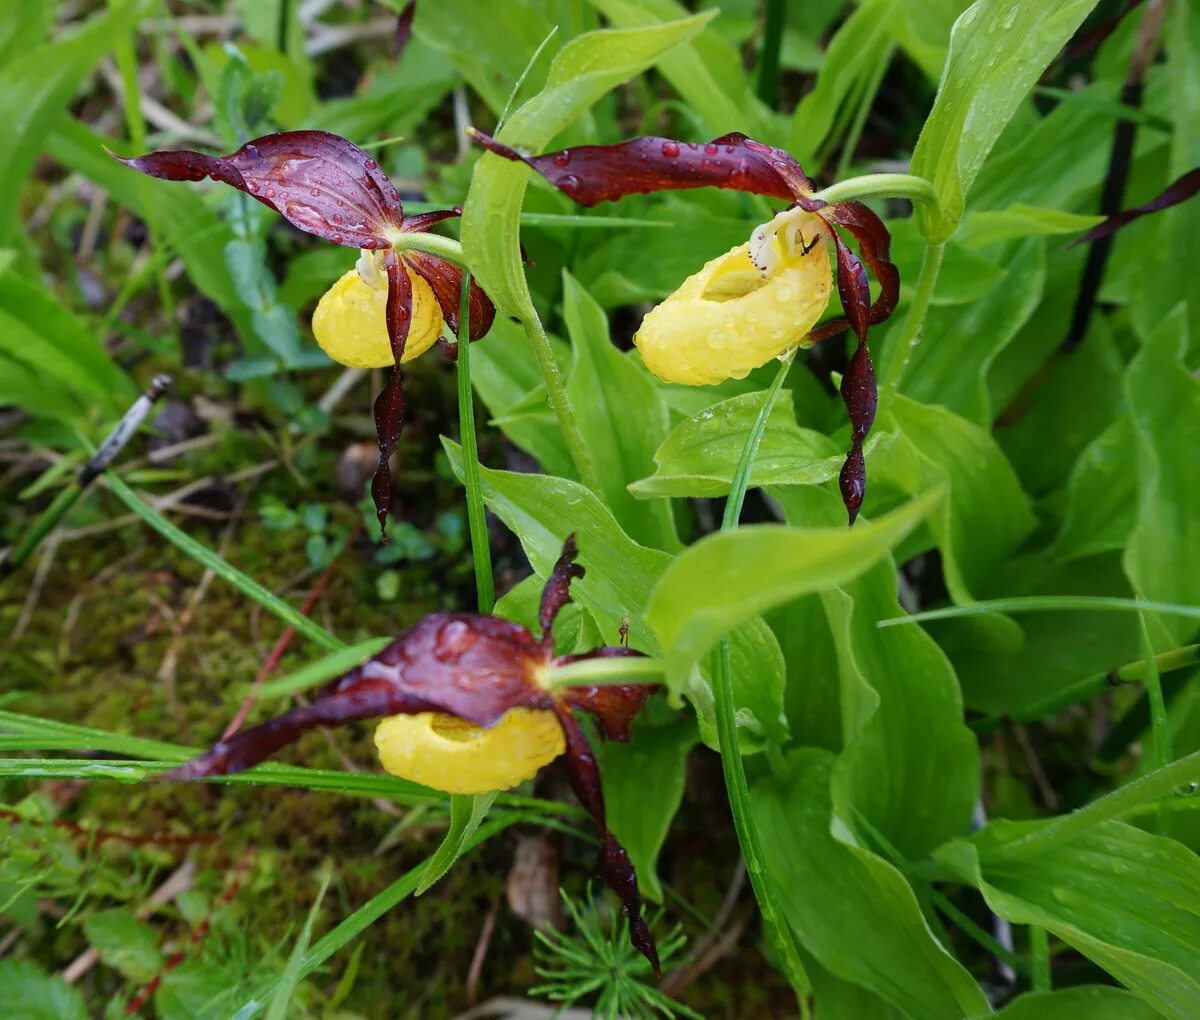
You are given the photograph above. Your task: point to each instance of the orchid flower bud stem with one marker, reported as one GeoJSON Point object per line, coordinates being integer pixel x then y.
{"type": "Point", "coordinates": [915, 189]}
{"type": "Point", "coordinates": [619, 670]}
{"type": "Point", "coordinates": [432, 244]}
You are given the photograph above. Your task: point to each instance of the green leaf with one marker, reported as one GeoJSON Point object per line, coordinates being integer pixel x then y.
{"type": "Point", "coordinates": [42, 337]}
{"type": "Point", "coordinates": [851, 61]}
{"type": "Point", "coordinates": [26, 26]}
{"type": "Point", "coordinates": [985, 515]}
{"type": "Point", "coordinates": [852, 910]}
{"type": "Point", "coordinates": [643, 788]}
{"type": "Point", "coordinates": [981, 228]}
{"type": "Point", "coordinates": [728, 578]}
{"type": "Point", "coordinates": [125, 943]}
{"type": "Point", "coordinates": [901, 718]}
{"type": "Point", "coordinates": [585, 69]}
{"type": "Point", "coordinates": [959, 344]}
{"type": "Point", "coordinates": [37, 85]}
{"type": "Point", "coordinates": [1084, 1002]}
{"type": "Point", "coordinates": [1101, 500]}
{"type": "Point", "coordinates": [622, 417]}
{"type": "Point", "coordinates": [30, 994]}
{"type": "Point", "coordinates": [998, 50]}
{"type": "Point", "coordinates": [1124, 898]}
{"type": "Point", "coordinates": [706, 71]}
{"type": "Point", "coordinates": [700, 455]}
{"type": "Point", "coordinates": [197, 990]}
{"type": "Point", "coordinates": [542, 510]}
{"type": "Point", "coordinates": [1162, 559]}
{"type": "Point", "coordinates": [467, 812]}
{"type": "Point", "coordinates": [290, 978]}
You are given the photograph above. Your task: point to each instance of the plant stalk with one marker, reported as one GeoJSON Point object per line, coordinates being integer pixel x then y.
{"type": "Point", "coordinates": [481, 551]}
{"type": "Point", "coordinates": [931, 265]}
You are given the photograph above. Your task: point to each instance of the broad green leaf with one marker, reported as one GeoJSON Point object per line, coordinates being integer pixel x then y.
{"type": "Point", "coordinates": [26, 27]}
{"type": "Point", "coordinates": [700, 455]}
{"type": "Point", "coordinates": [1162, 558]}
{"type": "Point", "coordinates": [851, 61]}
{"type": "Point", "coordinates": [985, 515]}
{"type": "Point", "coordinates": [707, 71]}
{"type": "Point", "coordinates": [836, 999]}
{"type": "Point", "coordinates": [923, 31]}
{"type": "Point", "coordinates": [998, 49]}
{"type": "Point", "coordinates": [30, 994]}
{"type": "Point", "coordinates": [467, 812]}
{"type": "Point", "coordinates": [198, 989]}
{"type": "Point", "coordinates": [728, 578]}
{"type": "Point", "coordinates": [622, 417]}
{"type": "Point", "coordinates": [981, 228]}
{"type": "Point", "coordinates": [41, 336]}
{"type": "Point", "coordinates": [36, 87]}
{"type": "Point", "coordinates": [585, 69]}
{"type": "Point", "coordinates": [910, 765]}
{"type": "Point", "coordinates": [959, 344]}
{"type": "Point", "coordinates": [1084, 1002]}
{"type": "Point", "coordinates": [542, 511]}
{"type": "Point", "coordinates": [489, 52]}
{"type": "Point", "coordinates": [125, 943]}
{"type": "Point", "coordinates": [852, 910]}
{"type": "Point", "coordinates": [811, 698]}
{"type": "Point", "coordinates": [643, 788]}
{"type": "Point", "coordinates": [1128, 900]}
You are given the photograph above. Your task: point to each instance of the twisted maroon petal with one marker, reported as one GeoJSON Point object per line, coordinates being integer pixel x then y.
{"type": "Point", "coordinates": [318, 181]}
{"type": "Point", "coordinates": [591, 174]}
{"type": "Point", "coordinates": [859, 392]}
{"type": "Point", "coordinates": [613, 706]}
{"type": "Point", "coordinates": [389, 405]}
{"type": "Point", "coordinates": [556, 592]}
{"type": "Point", "coordinates": [614, 866]}
{"type": "Point", "coordinates": [445, 280]}
{"type": "Point", "coordinates": [874, 243]}
{"type": "Point", "coordinates": [1177, 191]}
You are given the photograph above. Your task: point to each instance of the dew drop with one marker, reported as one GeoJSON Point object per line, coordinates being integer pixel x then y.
{"type": "Point", "coordinates": [252, 150]}
{"type": "Point", "coordinates": [754, 146]}
{"type": "Point", "coordinates": [270, 192]}
{"type": "Point", "coordinates": [252, 187]}
{"type": "Point", "coordinates": [670, 149]}
{"type": "Point", "coordinates": [711, 149]}
{"type": "Point", "coordinates": [569, 183]}
{"type": "Point", "coordinates": [315, 192]}
{"type": "Point", "coordinates": [337, 219]}
{"type": "Point", "coordinates": [562, 159]}
{"type": "Point", "coordinates": [370, 164]}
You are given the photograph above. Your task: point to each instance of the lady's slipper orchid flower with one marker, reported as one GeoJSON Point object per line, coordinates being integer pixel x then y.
{"type": "Point", "coordinates": [393, 305]}
{"type": "Point", "coordinates": [764, 297]}
{"type": "Point", "coordinates": [467, 710]}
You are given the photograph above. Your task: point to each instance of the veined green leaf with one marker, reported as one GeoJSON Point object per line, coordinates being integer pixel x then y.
{"type": "Point", "coordinates": [728, 578]}
{"type": "Point", "coordinates": [700, 455]}
{"type": "Point", "coordinates": [1083, 1002]}
{"type": "Point", "coordinates": [998, 49]}
{"type": "Point", "coordinates": [583, 71]}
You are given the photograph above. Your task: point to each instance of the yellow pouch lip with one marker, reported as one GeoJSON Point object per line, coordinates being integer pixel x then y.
{"type": "Point", "coordinates": [350, 322]}
{"type": "Point", "coordinates": [716, 326]}
{"type": "Point", "coordinates": [447, 753]}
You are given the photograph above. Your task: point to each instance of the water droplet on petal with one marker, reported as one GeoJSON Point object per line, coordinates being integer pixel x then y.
{"type": "Point", "coordinates": [670, 149]}
{"type": "Point", "coordinates": [370, 164]}
{"type": "Point", "coordinates": [562, 159]}
{"type": "Point", "coordinates": [316, 192]}
{"type": "Point", "coordinates": [569, 183]}
{"type": "Point", "coordinates": [711, 149]}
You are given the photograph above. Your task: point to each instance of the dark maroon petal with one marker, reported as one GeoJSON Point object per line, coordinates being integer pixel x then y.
{"type": "Point", "coordinates": [320, 182]}
{"type": "Point", "coordinates": [468, 665]}
{"type": "Point", "coordinates": [421, 222]}
{"type": "Point", "coordinates": [859, 392]}
{"type": "Point", "coordinates": [613, 706]}
{"type": "Point", "coordinates": [389, 405]}
{"type": "Point", "coordinates": [556, 592]}
{"type": "Point", "coordinates": [591, 174]}
{"type": "Point", "coordinates": [1178, 191]}
{"type": "Point", "coordinates": [614, 866]}
{"type": "Point", "coordinates": [445, 279]}
{"type": "Point", "coordinates": [874, 244]}
{"type": "Point", "coordinates": [249, 747]}
{"type": "Point", "coordinates": [403, 31]}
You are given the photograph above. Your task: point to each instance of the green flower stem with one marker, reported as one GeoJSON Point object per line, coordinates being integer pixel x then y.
{"type": "Point", "coordinates": [476, 518]}
{"type": "Point", "coordinates": [915, 189]}
{"type": "Point", "coordinates": [618, 670]}
{"type": "Point", "coordinates": [767, 85]}
{"type": "Point", "coordinates": [431, 244]}
{"type": "Point", "coordinates": [556, 391]}
{"type": "Point", "coordinates": [1132, 672]}
{"type": "Point", "coordinates": [224, 570]}
{"type": "Point", "coordinates": [731, 757]}
{"type": "Point", "coordinates": [556, 395]}
{"type": "Point", "coordinates": [1039, 956]}
{"type": "Point", "coordinates": [902, 347]}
